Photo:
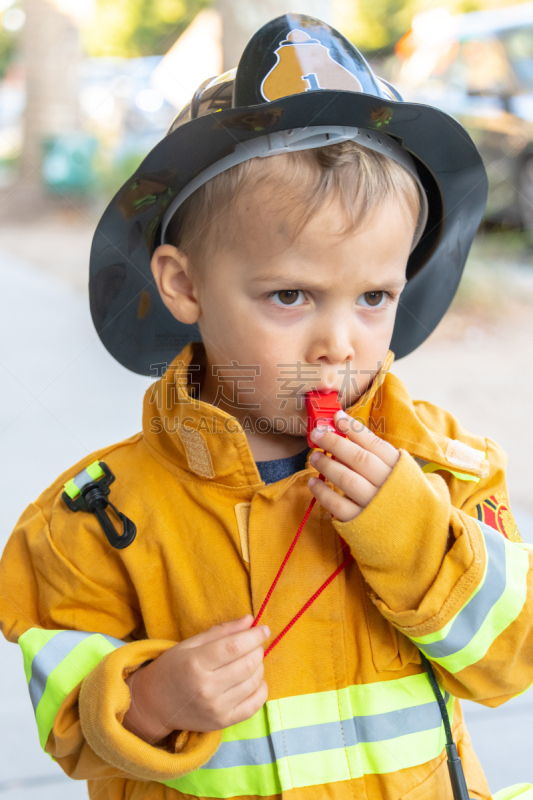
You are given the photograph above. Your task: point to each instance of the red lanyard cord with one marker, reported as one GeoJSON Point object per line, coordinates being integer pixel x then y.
{"type": "Point", "coordinates": [347, 559]}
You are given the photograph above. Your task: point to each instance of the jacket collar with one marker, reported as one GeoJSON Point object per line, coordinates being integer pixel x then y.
{"type": "Point", "coordinates": [191, 438]}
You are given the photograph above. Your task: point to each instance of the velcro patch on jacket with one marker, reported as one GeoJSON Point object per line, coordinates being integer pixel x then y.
{"type": "Point", "coordinates": [494, 511]}
{"type": "Point", "coordinates": [462, 455]}
{"type": "Point", "coordinates": [197, 452]}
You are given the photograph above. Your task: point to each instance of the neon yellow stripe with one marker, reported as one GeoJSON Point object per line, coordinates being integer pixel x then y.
{"type": "Point", "coordinates": [462, 476]}
{"type": "Point", "coordinates": [314, 709]}
{"type": "Point", "coordinates": [230, 782]}
{"type": "Point", "coordinates": [71, 671]}
{"type": "Point", "coordinates": [362, 700]}
{"type": "Point", "coordinates": [253, 728]}
{"type": "Point", "coordinates": [33, 640]}
{"type": "Point", "coordinates": [520, 791]}
{"type": "Point", "coordinates": [378, 698]}
{"type": "Point", "coordinates": [95, 470]}
{"type": "Point", "coordinates": [316, 768]}
{"type": "Point", "coordinates": [331, 764]}
{"type": "Point", "coordinates": [405, 751]}
{"type": "Point", "coordinates": [501, 615]}
{"type": "Point", "coordinates": [71, 489]}
{"type": "Point", "coordinates": [310, 769]}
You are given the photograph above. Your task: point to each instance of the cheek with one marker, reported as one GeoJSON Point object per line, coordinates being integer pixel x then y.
{"type": "Point", "coordinates": [271, 360]}
{"type": "Point", "coordinates": [223, 320]}
{"type": "Point", "coordinates": [278, 367]}
{"type": "Point", "coordinates": [240, 321]}
{"type": "Point", "coordinates": [377, 333]}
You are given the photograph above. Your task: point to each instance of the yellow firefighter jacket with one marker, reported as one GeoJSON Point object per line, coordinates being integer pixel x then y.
{"type": "Point", "coordinates": [350, 712]}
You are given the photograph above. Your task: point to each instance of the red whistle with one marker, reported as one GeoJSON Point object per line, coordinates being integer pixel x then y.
{"type": "Point", "coordinates": [321, 408]}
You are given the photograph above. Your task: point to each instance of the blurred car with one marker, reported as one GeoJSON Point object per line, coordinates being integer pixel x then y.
{"type": "Point", "coordinates": [119, 100]}
{"type": "Point", "coordinates": [478, 67]}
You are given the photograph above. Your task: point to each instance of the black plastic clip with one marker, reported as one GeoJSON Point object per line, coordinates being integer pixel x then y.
{"type": "Point", "coordinates": [93, 497]}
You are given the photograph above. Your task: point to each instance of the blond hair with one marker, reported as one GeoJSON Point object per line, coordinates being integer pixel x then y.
{"type": "Point", "coordinates": [299, 184]}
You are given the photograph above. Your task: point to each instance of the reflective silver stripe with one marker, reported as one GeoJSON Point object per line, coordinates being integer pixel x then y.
{"type": "Point", "coordinates": [82, 478]}
{"type": "Point", "coordinates": [52, 654]}
{"type": "Point", "coordinates": [327, 736]}
{"type": "Point", "coordinates": [470, 619]}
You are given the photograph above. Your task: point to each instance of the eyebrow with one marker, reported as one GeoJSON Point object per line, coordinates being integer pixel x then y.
{"type": "Point", "coordinates": [390, 283]}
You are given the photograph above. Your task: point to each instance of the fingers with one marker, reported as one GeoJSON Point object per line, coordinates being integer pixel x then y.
{"type": "Point", "coordinates": [248, 682]}
{"type": "Point", "coordinates": [358, 433]}
{"type": "Point", "coordinates": [217, 653]}
{"type": "Point", "coordinates": [362, 452]}
{"type": "Point", "coordinates": [250, 705]}
{"type": "Point", "coordinates": [353, 455]}
{"type": "Point", "coordinates": [236, 689]}
{"type": "Point", "coordinates": [234, 674]}
{"type": "Point", "coordinates": [343, 508]}
{"type": "Point", "coordinates": [193, 677]}
{"type": "Point", "coordinates": [354, 486]}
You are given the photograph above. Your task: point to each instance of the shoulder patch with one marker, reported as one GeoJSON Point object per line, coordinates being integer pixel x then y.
{"type": "Point", "coordinates": [462, 455]}
{"type": "Point", "coordinates": [494, 511]}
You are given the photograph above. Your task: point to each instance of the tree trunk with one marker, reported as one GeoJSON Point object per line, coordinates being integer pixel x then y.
{"type": "Point", "coordinates": [52, 55]}
{"type": "Point", "coordinates": [241, 19]}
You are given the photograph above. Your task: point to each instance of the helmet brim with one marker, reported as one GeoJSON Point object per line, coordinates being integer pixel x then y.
{"type": "Point", "coordinates": [128, 313]}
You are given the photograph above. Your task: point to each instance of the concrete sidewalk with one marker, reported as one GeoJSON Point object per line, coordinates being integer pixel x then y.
{"type": "Point", "coordinates": [63, 396]}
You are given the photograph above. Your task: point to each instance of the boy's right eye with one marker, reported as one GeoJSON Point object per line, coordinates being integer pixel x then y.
{"type": "Point", "coordinates": [287, 296]}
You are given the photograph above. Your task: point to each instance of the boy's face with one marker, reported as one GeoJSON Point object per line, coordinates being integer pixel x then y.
{"type": "Point", "coordinates": [280, 316]}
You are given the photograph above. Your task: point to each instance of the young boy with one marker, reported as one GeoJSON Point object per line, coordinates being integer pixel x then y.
{"type": "Point", "coordinates": [282, 241]}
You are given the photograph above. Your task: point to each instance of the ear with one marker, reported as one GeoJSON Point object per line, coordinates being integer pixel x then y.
{"type": "Point", "coordinates": [171, 269]}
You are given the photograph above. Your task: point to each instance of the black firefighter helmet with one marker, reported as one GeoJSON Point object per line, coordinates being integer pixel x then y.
{"type": "Point", "coordinates": [298, 78]}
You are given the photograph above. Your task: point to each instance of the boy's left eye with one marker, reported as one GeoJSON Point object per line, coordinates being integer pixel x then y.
{"type": "Point", "coordinates": [374, 299]}
{"type": "Point", "coordinates": [288, 296]}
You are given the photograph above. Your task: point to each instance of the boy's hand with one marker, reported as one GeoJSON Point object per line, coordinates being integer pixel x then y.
{"type": "Point", "coordinates": [205, 683]}
{"type": "Point", "coordinates": [364, 462]}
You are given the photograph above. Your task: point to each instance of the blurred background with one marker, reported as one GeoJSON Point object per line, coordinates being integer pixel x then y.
{"type": "Point", "coordinates": [87, 87]}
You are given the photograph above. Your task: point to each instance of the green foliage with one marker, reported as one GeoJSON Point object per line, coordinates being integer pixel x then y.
{"type": "Point", "coordinates": [381, 23]}
{"type": "Point", "coordinates": [110, 175]}
{"type": "Point", "coordinates": [134, 28]}
{"type": "Point", "coordinates": [466, 6]}
{"type": "Point", "coordinates": [8, 47]}
{"type": "Point", "coordinates": [376, 25]}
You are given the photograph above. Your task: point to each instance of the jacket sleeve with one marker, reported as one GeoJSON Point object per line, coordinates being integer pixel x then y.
{"type": "Point", "coordinates": [466, 604]}
{"type": "Point", "coordinates": [77, 635]}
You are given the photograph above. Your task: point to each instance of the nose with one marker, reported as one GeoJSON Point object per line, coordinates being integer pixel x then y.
{"type": "Point", "coordinates": [332, 346]}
